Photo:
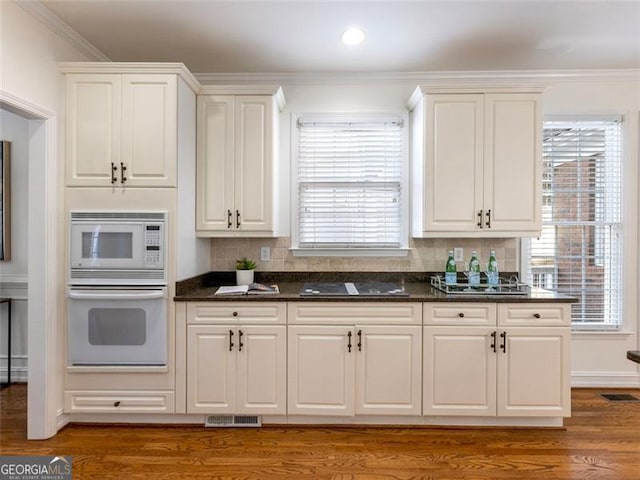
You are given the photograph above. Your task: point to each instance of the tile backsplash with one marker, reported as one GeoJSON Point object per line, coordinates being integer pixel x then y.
{"type": "Point", "coordinates": [426, 255]}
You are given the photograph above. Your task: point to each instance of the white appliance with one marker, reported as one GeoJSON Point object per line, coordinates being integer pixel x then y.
{"type": "Point", "coordinates": [117, 326]}
{"type": "Point", "coordinates": [117, 296]}
{"type": "Point", "coordinates": [117, 248]}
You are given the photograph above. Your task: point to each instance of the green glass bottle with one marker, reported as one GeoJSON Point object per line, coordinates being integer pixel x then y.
{"type": "Point", "coordinates": [450, 275]}
{"type": "Point", "coordinates": [474, 270]}
{"type": "Point", "coordinates": [492, 270]}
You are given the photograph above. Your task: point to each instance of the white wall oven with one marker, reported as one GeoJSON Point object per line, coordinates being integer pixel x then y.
{"type": "Point", "coordinates": [118, 326]}
{"type": "Point", "coordinates": [117, 295]}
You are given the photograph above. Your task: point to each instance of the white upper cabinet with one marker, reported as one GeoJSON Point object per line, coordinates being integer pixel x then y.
{"type": "Point", "coordinates": [149, 129]}
{"type": "Point", "coordinates": [476, 164]}
{"type": "Point", "coordinates": [121, 129]}
{"type": "Point", "coordinates": [236, 161]}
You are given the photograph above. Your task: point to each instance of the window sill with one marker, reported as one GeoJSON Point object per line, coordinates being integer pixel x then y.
{"type": "Point", "coordinates": [349, 252]}
{"type": "Point", "coordinates": [594, 334]}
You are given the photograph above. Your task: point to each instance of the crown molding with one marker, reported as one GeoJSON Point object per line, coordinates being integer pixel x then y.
{"type": "Point", "coordinates": [246, 89]}
{"type": "Point", "coordinates": [54, 23]}
{"type": "Point", "coordinates": [23, 108]}
{"type": "Point", "coordinates": [133, 67]}
{"type": "Point", "coordinates": [450, 78]}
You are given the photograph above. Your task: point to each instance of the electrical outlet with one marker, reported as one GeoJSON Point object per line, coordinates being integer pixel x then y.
{"type": "Point", "coordinates": [458, 254]}
{"type": "Point", "coordinates": [265, 254]}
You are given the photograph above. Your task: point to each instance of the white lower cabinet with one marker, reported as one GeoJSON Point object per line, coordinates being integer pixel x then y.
{"type": "Point", "coordinates": [236, 361]}
{"type": "Point", "coordinates": [459, 371]}
{"type": "Point", "coordinates": [236, 369]}
{"type": "Point", "coordinates": [352, 369]}
{"type": "Point", "coordinates": [330, 359]}
{"type": "Point", "coordinates": [388, 370]}
{"type": "Point", "coordinates": [321, 370]}
{"type": "Point", "coordinates": [534, 372]}
{"type": "Point", "coordinates": [498, 370]}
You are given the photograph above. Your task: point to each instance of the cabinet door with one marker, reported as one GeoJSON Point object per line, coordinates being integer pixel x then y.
{"type": "Point", "coordinates": [388, 370]}
{"type": "Point", "coordinates": [149, 130]}
{"type": "Point", "coordinates": [534, 372]}
{"type": "Point", "coordinates": [262, 370]}
{"type": "Point", "coordinates": [215, 163]}
{"type": "Point", "coordinates": [459, 371]}
{"type": "Point", "coordinates": [513, 162]}
{"type": "Point", "coordinates": [453, 162]}
{"type": "Point", "coordinates": [211, 369]}
{"type": "Point", "coordinates": [93, 128]}
{"type": "Point", "coordinates": [321, 370]}
{"type": "Point", "coordinates": [253, 163]}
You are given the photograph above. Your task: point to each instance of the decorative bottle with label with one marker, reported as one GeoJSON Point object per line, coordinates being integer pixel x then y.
{"type": "Point", "coordinates": [450, 275]}
{"type": "Point", "coordinates": [492, 270]}
{"type": "Point", "coordinates": [474, 270]}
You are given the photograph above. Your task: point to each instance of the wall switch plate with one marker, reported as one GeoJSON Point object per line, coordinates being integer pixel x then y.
{"type": "Point", "coordinates": [458, 254]}
{"type": "Point", "coordinates": [265, 254]}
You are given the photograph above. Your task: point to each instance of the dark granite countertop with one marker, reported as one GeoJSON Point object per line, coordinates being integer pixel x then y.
{"type": "Point", "coordinates": [290, 284]}
{"type": "Point", "coordinates": [633, 355]}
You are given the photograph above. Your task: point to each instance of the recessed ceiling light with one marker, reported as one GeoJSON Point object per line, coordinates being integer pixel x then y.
{"type": "Point", "coordinates": [353, 36]}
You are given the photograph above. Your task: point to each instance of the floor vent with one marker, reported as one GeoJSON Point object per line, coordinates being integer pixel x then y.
{"type": "Point", "coordinates": [232, 421]}
{"type": "Point", "coordinates": [619, 397]}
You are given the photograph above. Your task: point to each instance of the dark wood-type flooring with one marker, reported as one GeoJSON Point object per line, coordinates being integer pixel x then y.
{"type": "Point", "coordinates": [600, 441]}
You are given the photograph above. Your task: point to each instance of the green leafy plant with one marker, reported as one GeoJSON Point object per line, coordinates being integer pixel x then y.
{"type": "Point", "coordinates": [245, 264]}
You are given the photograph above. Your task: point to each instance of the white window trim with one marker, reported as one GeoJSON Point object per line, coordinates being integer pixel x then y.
{"type": "Point", "coordinates": [401, 251]}
{"type": "Point", "coordinates": [630, 250]}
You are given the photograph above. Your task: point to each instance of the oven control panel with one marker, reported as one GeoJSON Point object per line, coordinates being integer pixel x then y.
{"type": "Point", "coordinates": [153, 242]}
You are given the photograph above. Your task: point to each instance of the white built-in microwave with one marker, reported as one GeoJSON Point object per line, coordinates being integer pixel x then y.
{"type": "Point", "coordinates": [117, 248]}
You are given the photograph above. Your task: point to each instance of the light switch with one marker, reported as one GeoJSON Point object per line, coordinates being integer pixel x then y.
{"type": "Point", "coordinates": [458, 254]}
{"type": "Point", "coordinates": [265, 254]}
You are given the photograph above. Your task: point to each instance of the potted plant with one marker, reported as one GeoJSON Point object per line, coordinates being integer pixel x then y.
{"type": "Point", "coordinates": [244, 271]}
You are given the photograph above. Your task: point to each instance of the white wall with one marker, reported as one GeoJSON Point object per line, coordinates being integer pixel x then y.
{"type": "Point", "coordinates": [30, 52]}
{"type": "Point", "coordinates": [31, 85]}
{"type": "Point", "coordinates": [16, 130]}
{"type": "Point", "coordinates": [13, 273]}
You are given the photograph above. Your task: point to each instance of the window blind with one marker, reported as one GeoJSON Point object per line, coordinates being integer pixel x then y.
{"type": "Point", "coordinates": [579, 252]}
{"type": "Point", "coordinates": [349, 177]}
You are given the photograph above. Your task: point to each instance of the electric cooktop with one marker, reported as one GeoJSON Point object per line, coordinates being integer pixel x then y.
{"type": "Point", "coordinates": [347, 289]}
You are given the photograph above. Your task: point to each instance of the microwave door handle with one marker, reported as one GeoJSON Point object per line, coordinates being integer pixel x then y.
{"type": "Point", "coordinates": [93, 295]}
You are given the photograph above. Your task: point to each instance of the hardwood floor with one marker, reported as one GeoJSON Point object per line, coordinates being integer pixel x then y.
{"type": "Point", "coordinates": [601, 441]}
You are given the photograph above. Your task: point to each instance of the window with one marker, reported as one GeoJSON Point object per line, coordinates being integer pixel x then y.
{"type": "Point", "coordinates": [350, 186]}
{"type": "Point", "coordinates": [579, 252]}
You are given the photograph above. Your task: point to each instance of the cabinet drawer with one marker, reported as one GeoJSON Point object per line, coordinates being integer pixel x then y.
{"type": "Point", "coordinates": [237, 312]}
{"type": "Point", "coordinates": [95, 401]}
{"type": "Point", "coordinates": [340, 313]}
{"type": "Point", "coordinates": [459, 314]}
{"type": "Point", "coordinates": [539, 314]}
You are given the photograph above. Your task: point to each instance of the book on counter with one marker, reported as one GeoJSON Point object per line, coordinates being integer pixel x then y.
{"type": "Point", "coordinates": [251, 289]}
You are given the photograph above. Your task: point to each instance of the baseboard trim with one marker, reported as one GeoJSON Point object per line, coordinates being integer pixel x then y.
{"type": "Point", "coordinates": [18, 374]}
{"type": "Point", "coordinates": [609, 379]}
{"type": "Point", "coordinates": [62, 420]}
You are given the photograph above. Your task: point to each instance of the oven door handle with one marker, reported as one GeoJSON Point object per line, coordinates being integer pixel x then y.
{"type": "Point", "coordinates": [111, 295]}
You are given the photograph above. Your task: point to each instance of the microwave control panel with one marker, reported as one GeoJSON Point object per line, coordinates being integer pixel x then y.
{"type": "Point", "coordinates": [153, 241]}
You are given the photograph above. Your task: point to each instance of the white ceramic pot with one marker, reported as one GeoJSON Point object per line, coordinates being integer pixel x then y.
{"type": "Point", "coordinates": [244, 277]}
